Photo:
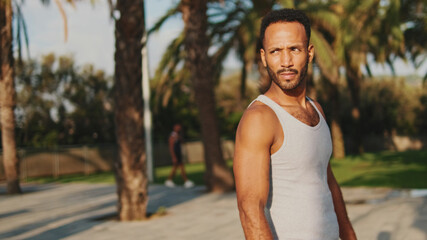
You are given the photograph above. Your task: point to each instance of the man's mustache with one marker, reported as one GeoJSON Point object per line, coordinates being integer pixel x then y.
{"type": "Point", "coordinates": [287, 70]}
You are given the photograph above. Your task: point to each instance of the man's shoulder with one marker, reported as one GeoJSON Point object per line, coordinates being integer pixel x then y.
{"type": "Point", "coordinates": [258, 117]}
{"type": "Point", "coordinates": [257, 127]}
{"type": "Point", "coordinates": [258, 111]}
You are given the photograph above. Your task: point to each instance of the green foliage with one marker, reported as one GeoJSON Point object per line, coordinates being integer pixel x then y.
{"type": "Point", "coordinates": [230, 108]}
{"type": "Point", "coordinates": [172, 102]}
{"type": "Point", "coordinates": [388, 106]}
{"type": "Point", "coordinates": [59, 103]}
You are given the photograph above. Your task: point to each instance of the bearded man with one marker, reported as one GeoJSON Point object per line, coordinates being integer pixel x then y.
{"type": "Point", "coordinates": [284, 182]}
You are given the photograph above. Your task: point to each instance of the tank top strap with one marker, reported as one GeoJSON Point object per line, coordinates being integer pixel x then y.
{"type": "Point", "coordinates": [315, 107]}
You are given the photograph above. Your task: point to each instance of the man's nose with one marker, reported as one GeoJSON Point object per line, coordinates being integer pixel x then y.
{"type": "Point", "coordinates": [286, 59]}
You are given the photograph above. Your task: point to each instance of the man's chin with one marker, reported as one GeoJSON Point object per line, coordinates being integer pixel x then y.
{"type": "Point", "coordinates": [289, 86]}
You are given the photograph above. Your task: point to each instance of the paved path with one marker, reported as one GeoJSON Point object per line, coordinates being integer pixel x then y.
{"type": "Point", "coordinates": [84, 211]}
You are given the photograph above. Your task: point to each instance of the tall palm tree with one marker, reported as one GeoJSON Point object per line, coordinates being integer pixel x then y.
{"type": "Point", "coordinates": [7, 99]}
{"type": "Point", "coordinates": [370, 27]}
{"type": "Point", "coordinates": [217, 177]}
{"type": "Point", "coordinates": [7, 88]}
{"type": "Point", "coordinates": [232, 25]}
{"type": "Point", "coordinates": [131, 169]}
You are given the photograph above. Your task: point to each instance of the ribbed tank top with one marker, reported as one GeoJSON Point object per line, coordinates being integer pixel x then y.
{"type": "Point", "coordinates": [300, 203]}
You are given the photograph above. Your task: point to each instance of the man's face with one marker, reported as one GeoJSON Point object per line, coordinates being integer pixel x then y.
{"type": "Point", "coordinates": [285, 54]}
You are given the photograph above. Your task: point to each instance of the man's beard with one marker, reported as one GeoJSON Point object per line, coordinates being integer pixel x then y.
{"type": "Point", "coordinates": [285, 85]}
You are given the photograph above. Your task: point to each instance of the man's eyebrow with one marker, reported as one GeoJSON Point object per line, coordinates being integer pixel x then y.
{"type": "Point", "coordinates": [274, 48]}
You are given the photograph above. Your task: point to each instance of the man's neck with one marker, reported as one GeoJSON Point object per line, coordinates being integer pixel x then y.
{"type": "Point", "coordinates": [295, 96]}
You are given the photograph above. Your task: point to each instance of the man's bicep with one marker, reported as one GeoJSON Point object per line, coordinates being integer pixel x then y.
{"type": "Point", "coordinates": [252, 157]}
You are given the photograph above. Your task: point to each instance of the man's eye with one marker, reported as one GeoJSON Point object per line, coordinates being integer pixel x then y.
{"type": "Point", "coordinates": [296, 49]}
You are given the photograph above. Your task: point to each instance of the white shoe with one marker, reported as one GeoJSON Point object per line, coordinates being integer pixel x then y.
{"type": "Point", "coordinates": [188, 184]}
{"type": "Point", "coordinates": [169, 183]}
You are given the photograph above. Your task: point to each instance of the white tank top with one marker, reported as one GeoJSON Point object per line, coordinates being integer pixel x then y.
{"type": "Point", "coordinates": [300, 203]}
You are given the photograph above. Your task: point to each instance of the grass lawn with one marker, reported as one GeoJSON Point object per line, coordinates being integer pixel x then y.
{"type": "Point", "coordinates": [384, 169]}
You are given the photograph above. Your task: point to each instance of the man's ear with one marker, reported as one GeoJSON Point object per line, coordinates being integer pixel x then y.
{"type": "Point", "coordinates": [262, 52]}
{"type": "Point", "coordinates": [310, 52]}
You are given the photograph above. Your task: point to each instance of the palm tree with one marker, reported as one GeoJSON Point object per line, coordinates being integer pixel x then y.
{"type": "Point", "coordinates": [131, 169]}
{"type": "Point", "coordinates": [7, 99]}
{"type": "Point", "coordinates": [217, 177]}
{"type": "Point", "coordinates": [7, 89]}
{"type": "Point", "coordinates": [370, 27]}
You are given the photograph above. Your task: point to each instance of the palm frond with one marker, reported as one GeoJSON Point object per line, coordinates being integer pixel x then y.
{"type": "Point", "coordinates": [368, 70]}
{"type": "Point", "coordinates": [324, 57]}
{"type": "Point", "coordinates": [390, 64]}
{"type": "Point", "coordinates": [171, 12]}
{"type": "Point", "coordinates": [172, 52]}
{"type": "Point", "coordinates": [21, 28]}
{"type": "Point", "coordinates": [324, 19]}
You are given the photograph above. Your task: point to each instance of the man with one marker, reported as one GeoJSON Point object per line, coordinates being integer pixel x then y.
{"type": "Point", "coordinates": [284, 183]}
{"type": "Point", "coordinates": [175, 150]}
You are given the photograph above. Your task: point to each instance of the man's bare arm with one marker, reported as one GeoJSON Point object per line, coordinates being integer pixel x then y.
{"type": "Point", "coordinates": [252, 171]}
{"type": "Point", "coordinates": [346, 229]}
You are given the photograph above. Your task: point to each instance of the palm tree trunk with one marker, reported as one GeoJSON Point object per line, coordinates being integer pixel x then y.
{"type": "Point", "coordinates": [131, 172]}
{"type": "Point", "coordinates": [354, 78]}
{"type": "Point", "coordinates": [331, 77]}
{"type": "Point", "coordinates": [218, 177]}
{"type": "Point", "coordinates": [336, 131]}
{"type": "Point", "coordinates": [243, 78]}
{"type": "Point", "coordinates": [7, 99]}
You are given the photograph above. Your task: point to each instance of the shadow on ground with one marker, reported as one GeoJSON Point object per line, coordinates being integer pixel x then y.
{"type": "Point", "coordinates": [53, 211]}
{"type": "Point", "coordinates": [421, 221]}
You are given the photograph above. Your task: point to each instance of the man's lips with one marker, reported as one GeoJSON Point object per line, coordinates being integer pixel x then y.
{"type": "Point", "coordinates": [288, 74]}
{"type": "Point", "coordinates": [287, 71]}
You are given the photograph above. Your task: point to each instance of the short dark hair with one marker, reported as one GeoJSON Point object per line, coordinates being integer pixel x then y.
{"type": "Point", "coordinates": [284, 15]}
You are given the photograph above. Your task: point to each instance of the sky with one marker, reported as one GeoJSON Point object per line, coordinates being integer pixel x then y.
{"type": "Point", "coordinates": [91, 31]}
{"type": "Point", "coordinates": [91, 34]}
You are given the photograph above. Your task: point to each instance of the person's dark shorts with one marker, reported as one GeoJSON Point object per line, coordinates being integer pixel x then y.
{"type": "Point", "coordinates": [178, 157]}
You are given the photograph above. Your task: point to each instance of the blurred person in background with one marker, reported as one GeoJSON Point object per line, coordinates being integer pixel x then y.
{"type": "Point", "coordinates": [175, 150]}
